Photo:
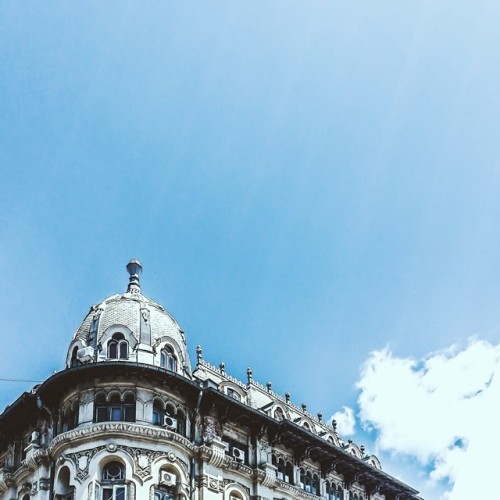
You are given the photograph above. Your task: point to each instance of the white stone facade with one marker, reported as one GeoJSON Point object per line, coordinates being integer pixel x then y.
{"type": "Point", "coordinates": [128, 419]}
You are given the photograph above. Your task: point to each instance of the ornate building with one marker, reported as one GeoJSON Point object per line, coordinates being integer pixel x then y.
{"type": "Point", "coordinates": [128, 419]}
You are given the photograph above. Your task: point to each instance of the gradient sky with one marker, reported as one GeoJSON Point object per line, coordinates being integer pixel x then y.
{"type": "Point", "coordinates": [304, 182]}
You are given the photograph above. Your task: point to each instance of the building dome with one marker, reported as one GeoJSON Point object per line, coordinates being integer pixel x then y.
{"type": "Point", "coordinates": [130, 327]}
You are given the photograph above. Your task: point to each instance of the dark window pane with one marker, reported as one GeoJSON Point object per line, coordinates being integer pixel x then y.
{"type": "Point", "coordinates": [123, 350]}
{"type": "Point", "coordinates": [107, 494]}
{"type": "Point", "coordinates": [129, 413]}
{"type": "Point", "coordinates": [101, 414]}
{"type": "Point", "coordinates": [112, 354]}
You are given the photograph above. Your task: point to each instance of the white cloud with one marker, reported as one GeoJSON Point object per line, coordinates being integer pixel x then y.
{"type": "Point", "coordinates": [345, 421]}
{"type": "Point", "coordinates": [430, 409]}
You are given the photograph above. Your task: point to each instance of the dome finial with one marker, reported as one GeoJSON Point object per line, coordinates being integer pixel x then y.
{"type": "Point", "coordinates": [134, 268]}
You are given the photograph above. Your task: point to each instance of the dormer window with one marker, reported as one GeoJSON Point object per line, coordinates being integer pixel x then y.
{"type": "Point", "coordinates": [279, 415]}
{"type": "Point", "coordinates": [117, 347]}
{"type": "Point", "coordinates": [233, 394]}
{"type": "Point", "coordinates": [168, 359]}
{"type": "Point", "coordinates": [74, 357]}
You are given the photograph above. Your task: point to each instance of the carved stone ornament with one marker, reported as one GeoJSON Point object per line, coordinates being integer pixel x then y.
{"type": "Point", "coordinates": [81, 461]}
{"type": "Point", "coordinates": [6, 480]}
{"type": "Point", "coordinates": [111, 446]}
{"type": "Point", "coordinates": [121, 429]}
{"type": "Point", "coordinates": [267, 476]}
{"type": "Point", "coordinates": [213, 483]}
{"type": "Point", "coordinates": [145, 314]}
{"type": "Point", "coordinates": [44, 483]}
{"type": "Point", "coordinates": [217, 453]}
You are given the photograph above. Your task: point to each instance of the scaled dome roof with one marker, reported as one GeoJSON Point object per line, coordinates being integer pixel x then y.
{"type": "Point", "coordinates": [142, 322]}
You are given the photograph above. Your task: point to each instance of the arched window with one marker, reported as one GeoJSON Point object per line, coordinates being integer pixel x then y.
{"type": "Point", "coordinates": [289, 473]}
{"type": "Point", "coordinates": [166, 487]}
{"type": "Point", "coordinates": [158, 413]}
{"type": "Point", "coordinates": [315, 485]}
{"type": "Point", "coordinates": [233, 394]}
{"type": "Point", "coordinates": [115, 410]}
{"type": "Point", "coordinates": [235, 495]}
{"type": "Point", "coordinates": [284, 471]}
{"type": "Point", "coordinates": [331, 491]}
{"type": "Point", "coordinates": [113, 481]}
{"type": "Point", "coordinates": [309, 482]}
{"type": "Point", "coordinates": [74, 358]}
{"type": "Point", "coordinates": [302, 478]}
{"type": "Point", "coordinates": [62, 488]}
{"type": "Point", "coordinates": [169, 417]}
{"type": "Point", "coordinates": [306, 426]}
{"type": "Point", "coordinates": [168, 359]}
{"type": "Point", "coordinates": [181, 423]}
{"type": "Point", "coordinates": [163, 493]}
{"type": "Point", "coordinates": [117, 347]}
{"type": "Point", "coordinates": [334, 491]}
{"type": "Point", "coordinates": [69, 419]}
{"type": "Point", "coordinates": [279, 415]}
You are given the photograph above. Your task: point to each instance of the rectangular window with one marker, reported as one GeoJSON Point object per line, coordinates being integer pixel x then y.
{"type": "Point", "coordinates": [101, 414]}
{"type": "Point", "coordinates": [116, 413]}
{"type": "Point", "coordinates": [157, 418]}
{"type": "Point", "coordinates": [163, 495]}
{"type": "Point", "coordinates": [120, 494]}
{"type": "Point", "coordinates": [113, 493]}
{"type": "Point", "coordinates": [129, 413]}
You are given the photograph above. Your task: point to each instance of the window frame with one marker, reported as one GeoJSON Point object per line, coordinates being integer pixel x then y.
{"type": "Point", "coordinates": [110, 486]}
{"type": "Point", "coordinates": [115, 409]}
{"type": "Point", "coordinates": [168, 359]}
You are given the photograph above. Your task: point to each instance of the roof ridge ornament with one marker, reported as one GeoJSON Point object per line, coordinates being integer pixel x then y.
{"type": "Point", "coordinates": [134, 268]}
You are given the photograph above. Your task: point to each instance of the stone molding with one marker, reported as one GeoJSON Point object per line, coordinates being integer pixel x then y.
{"type": "Point", "coordinates": [117, 429]}
{"type": "Point", "coordinates": [298, 492]}
{"type": "Point", "coordinates": [222, 374]}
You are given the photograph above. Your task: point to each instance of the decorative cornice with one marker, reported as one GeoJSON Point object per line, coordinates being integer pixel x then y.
{"type": "Point", "coordinates": [282, 485]}
{"type": "Point", "coordinates": [117, 430]}
{"type": "Point", "coordinates": [221, 374]}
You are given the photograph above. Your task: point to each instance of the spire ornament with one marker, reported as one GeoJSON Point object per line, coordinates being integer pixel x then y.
{"type": "Point", "coordinates": [134, 268]}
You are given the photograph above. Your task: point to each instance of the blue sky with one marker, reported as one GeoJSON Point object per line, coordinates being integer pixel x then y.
{"type": "Point", "coordinates": [305, 183]}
